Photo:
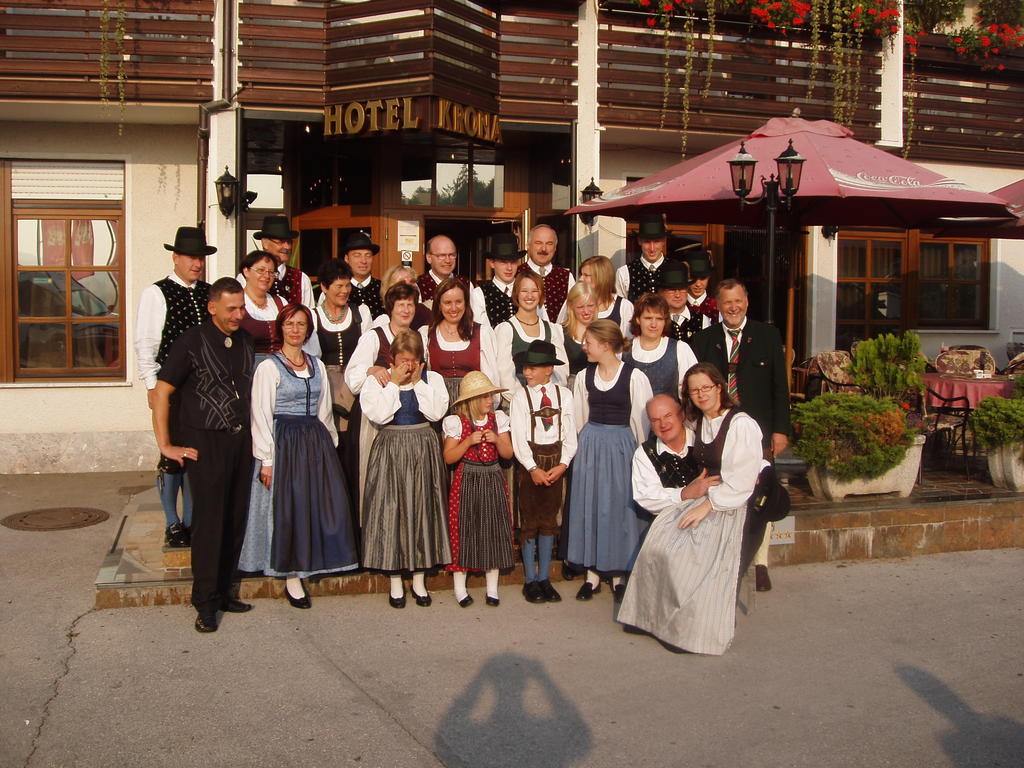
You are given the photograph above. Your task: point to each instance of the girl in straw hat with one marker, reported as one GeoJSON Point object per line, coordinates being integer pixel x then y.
{"type": "Point", "coordinates": [404, 517]}
{"type": "Point", "coordinates": [479, 510]}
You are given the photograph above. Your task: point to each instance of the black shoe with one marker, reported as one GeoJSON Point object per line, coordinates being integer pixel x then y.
{"type": "Point", "coordinates": [549, 592]}
{"type": "Point", "coordinates": [619, 592]}
{"type": "Point", "coordinates": [532, 592]}
{"type": "Point", "coordinates": [298, 602]}
{"type": "Point", "coordinates": [587, 591]}
{"type": "Point", "coordinates": [234, 605]}
{"type": "Point", "coordinates": [397, 602]}
{"type": "Point", "coordinates": [176, 536]}
{"type": "Point", "coordinates": [762, 581]}
{"type": "Point", "coordinates": [494, 602]}
{"type": "Point", "coordinates": [206, 622]}
{"type": "Point", "coordinates": [466, 601]}
{"type": "Point", "coordinates": [423, 601]}
{"type": "Point", "coordinates": [568, 574]}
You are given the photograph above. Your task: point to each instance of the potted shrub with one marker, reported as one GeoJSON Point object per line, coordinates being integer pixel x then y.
{"type": "Point", "coordinates": [998, 425]}
{"type": "Point", "coordinates": [856, 444]}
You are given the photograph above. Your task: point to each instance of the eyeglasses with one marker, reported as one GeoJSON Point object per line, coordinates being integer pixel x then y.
{"type": "Point", "coordinates": [263, 272]}
{"type": "Point", "coordinates": [703, 390]}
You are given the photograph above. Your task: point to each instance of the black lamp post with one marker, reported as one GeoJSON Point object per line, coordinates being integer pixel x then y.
{"type": "Point", "coordinates": [588, 193]}
{"type": "Point", "coordinates": [227, 193]}
{"type": "Point", "coordinates": [774, 190]}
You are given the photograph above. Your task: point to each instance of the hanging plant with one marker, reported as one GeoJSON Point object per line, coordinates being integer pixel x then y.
{"type": "Point", "coordinates": [109, 49]}
{"type": "Point", "coordinates": [985, 44]}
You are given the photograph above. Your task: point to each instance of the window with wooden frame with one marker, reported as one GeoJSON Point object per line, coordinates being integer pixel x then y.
{"type": "Point", "coordinates": [893, 281]}
{"type": "Point", "coordinates": [63, 271]}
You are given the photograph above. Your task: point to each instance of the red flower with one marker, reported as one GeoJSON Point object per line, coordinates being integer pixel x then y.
{"type": "Point", "coordinates": [995, 50]}
{"type": "Point", "coordinates": [1000, 67]}
{"type": "Point", "coordinates": [650, 22]}
{"type": "Point", "coordinates": [798, 20]}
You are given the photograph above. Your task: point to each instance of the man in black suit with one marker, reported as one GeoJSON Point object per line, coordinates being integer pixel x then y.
{"type": "Point", "coordinates": [758, 378]}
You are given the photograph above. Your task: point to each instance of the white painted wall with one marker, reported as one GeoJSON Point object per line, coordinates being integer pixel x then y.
{"type": "Point", "coordinates": [75, 427]}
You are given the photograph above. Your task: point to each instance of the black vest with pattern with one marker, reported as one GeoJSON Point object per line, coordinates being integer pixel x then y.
{"type": "Point", "coordinates": [368, 295]}
{"type": "Point", "coordinates": [499, 306]}
{"type": "Point", "coordinates": [641, 279]}
{"type": "Point", "coordinates": [673, 471]}
{"type": "Point", "coordinates": [186, 308]}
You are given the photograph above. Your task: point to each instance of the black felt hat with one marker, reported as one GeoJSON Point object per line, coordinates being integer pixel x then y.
{"type": "Point", "coordinates": [191, 241]}
{"type": "Point", "coordinates": [359, 241]}
{"type": "Point", "coordinates": [651, 226]}
{"type": "Point", "coordinates": [673, 274]}
{"type": "Point", "coordinates": [538, 353]}
{"type": "Point", "coordinates": [700, 264]}
{"type": "Point", "coordinates": [276, 227]}
{"type": "Point", "coordinates": [505, 247]}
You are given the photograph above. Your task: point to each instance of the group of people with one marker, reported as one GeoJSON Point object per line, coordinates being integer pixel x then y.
{"type": "Point", "coordinates": [423, 422]}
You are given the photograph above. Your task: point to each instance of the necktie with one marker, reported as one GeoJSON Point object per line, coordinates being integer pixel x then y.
{"type": "Point", "coordinates": [677, 319]}
{"type": "Point", "coordinates": [545, 402]}
{"type": "Point", "coordinates": [543, 271]}
{"type": "Point", "coordinates": [508, 291]}
{"type": "Point", "coordinates": [734, 358]}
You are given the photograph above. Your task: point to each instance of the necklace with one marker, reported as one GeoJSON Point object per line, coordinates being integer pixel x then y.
{"type": "Point", "coordinates": [523, 322]}
{"type": "Point", "coordinates": [258, 305]}
{"type": "Point", "coordinates": [299, 365]}
{"type": "Point", "coordinates": [449, 331]}
{"type": "Point", "coordinates": [339, 318]}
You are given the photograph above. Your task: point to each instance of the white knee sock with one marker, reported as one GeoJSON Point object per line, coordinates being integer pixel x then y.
{"type": "Point", "coordinates": [616, 580]}
{"type": "Point", "coordinates": [761, 558]}
{"type": "Point", "coordinates": [294, 586]}
{"type": "Point", "coordinates": [397, 588]}
{"type": "Point", "coordinates": [459, 577]}
{"type": "Point", "coordinates": [492, 582]}
{"type": "Point", "coordinates": [419, 583]}
{"type": "Point", "coordinates": [593, 578]}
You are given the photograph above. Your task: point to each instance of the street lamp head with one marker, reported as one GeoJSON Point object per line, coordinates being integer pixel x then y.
{"type": "Point", "coordinates": [588, 193]}
{"type": "Point", "coordinates": [227, 188]}
{"type": "Point", "coordinates": [742, 169]}
{"type": "Point", "coordinates": [790, 165]}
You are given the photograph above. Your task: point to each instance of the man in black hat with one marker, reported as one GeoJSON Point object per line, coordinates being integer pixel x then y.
{"type": "Point", "coordinates": [211, 365]}
{"type": "Point", "coordinates": [639, 276]}
{"type": "Point", "coordinates": [698, 301]}
{"type": "Point", "coordinates": [491, 300]}
{"type": "Point", "coordinates": [276, 238]}
{"type": "Point", "coordinates": [358, 253]}
{"type": "Point", "coordinates": [441, 258]}
{"type": "Point", "coordinates": [167, 309]}
{"type": "Point", "coordinates": [673, 283]}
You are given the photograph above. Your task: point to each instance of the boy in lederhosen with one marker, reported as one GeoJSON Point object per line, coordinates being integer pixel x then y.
{"type": "Point", "coordinates": [544, 440]}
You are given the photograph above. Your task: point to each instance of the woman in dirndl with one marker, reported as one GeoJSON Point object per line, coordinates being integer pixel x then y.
{"type": "Point", "coordinates": [605, 526]}
{"type": "Point", "coordinates": [599, 273]}
{"type": "Point", "coordinates": [455, 344]}
{"type": "Point", "coordinates": [299, 523]}
{"type": "Point", "coordinates": [479, 507]}
{"type": "Point", "coordinates": [663, 360]}
{"type": "Point", "coordinates": [683, 586]}
{"type": "Point", "coordinates": [262, 307]}
{"type": "Point", "coordinates": [405, 511]}
{"type": "Point", "coordinates": [581, 312]}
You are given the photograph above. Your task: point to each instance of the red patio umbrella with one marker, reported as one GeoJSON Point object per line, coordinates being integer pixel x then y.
{"type": "Point", "coordinates": [1012, 229]}
{"type": "Point", "coordinates": [845, 183]}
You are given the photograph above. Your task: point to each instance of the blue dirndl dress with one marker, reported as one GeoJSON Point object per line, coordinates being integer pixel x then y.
{"type": "Point", "coordinates": [301, 526]}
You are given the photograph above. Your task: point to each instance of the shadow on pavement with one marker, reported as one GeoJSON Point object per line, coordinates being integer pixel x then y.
{"type": "Point", "coordinates": [512, 714]}
{"type": "Point", "coordinates": [975, 739]}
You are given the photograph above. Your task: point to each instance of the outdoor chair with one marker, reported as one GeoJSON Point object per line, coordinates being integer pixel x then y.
{"type": "Point", "coordinates": [1016, 365]}
{"type": "Point", "coordinates": [834, 369]}
{"type": "Point", "coordinates": [964, 361]}
{"type": "Point", "coordinates": [946, 426]}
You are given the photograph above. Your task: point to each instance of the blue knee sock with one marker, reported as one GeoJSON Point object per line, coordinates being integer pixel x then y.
{"type": "Point", "coordinates": [544, 546]}
{"type": "Point", "coordinates": [186, 502]}
{"type": "Point", "coordinates": [168, 486]}
{"type": "Point", "coordinates": [529, 559]}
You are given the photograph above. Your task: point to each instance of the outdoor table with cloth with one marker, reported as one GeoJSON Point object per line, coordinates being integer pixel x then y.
{"type": "Point", "coordinates": [975, 390]}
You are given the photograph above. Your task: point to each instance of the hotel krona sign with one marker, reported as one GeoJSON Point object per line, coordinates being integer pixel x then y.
{"type": "Point", "coordinates": [376, 116]}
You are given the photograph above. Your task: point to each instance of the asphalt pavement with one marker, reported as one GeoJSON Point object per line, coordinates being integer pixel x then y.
{"type": "Point", "coordinates": [912, 662]}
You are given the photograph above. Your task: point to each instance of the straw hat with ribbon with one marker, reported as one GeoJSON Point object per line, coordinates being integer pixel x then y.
{"type": "Point", "coordinates": [475, 384]}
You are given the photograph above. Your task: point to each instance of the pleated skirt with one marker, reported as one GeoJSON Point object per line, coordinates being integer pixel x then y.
{"type": "Point", "coordinates": [480, 497]}
{"type": "Point", "coordinates": [405, 501]}
{"type": "Point", "coordinates": [605, 526]}
{"type": "Point", "coordinates": [683, 586]}
{"type": "Point", "coordinates": [301, 525]}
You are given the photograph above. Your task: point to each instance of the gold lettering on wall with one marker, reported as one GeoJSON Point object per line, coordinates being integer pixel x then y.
{"type": "Point", "coordinates": [400, 114]}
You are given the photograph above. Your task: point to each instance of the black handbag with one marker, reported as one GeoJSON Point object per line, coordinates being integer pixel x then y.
{"type": "Point", "coordinates": [770, 500]}
{"type": "Point", "coordinates": [169, 466]}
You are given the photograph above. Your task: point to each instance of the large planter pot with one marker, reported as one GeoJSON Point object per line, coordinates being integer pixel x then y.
{"type": "Point", "coordinates": [1006, 466]}
{"type": "Point", "coordinates": [900, 479]}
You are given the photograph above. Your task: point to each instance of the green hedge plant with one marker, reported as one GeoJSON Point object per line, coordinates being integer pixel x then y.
{"type": "Point", "coordinates": [889, 366]}
{"type": "Point", "coordinates": [999, 421]}
{"type": "Point", "coordinates": [851, 436]}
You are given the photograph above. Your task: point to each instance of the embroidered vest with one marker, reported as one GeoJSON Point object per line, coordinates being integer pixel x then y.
{"type": "Point", "coordinates": [428, 288]}
{"type": "Point", "coordinates": [641, 279]}
{"type": "Point", "coordinates": [290, 288]}
{"type": "Point", "coordinates": [368, 295]}
{"type": "Point", "coordinates": [481, 453]}
{"type": "Point", "coordinates": [499, 306]}
{"type": "Point", "coordinates": [336, 347]}
{"type": "Point", "coordinates": [673, 471]}
{"type": "Point", "coordinates": [185, 309]}
{"type": "Point", "coordinates": [262, 331]}
{"type": "Point", "coordinates": [454, 364]}
{"type": "Point", "coordinates": [556, 286]}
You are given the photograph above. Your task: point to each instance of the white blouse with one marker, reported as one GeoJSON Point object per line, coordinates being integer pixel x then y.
{"type": "Point", "coordinates": [363, 358]}
{"type": "Point", "coordinates": [265, 382]}
{"type": "Point", "coordinates": [563, 428]}
{"type": "Point", "coordinates": [452, 425]}
{"type": "Point", "coordinates": [488, 349]}
{"type": "Point", "coordinates": [507, 366]}
{"type": "Point", "coordinates": [742, 459]}
{"type": "Point", "coordinates": [381, 403]}
{"type": "Point", "coordinates": [639, 395]}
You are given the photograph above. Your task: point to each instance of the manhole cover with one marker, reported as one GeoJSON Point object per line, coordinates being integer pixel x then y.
{"type": "Point", "coordinates": [55, 519]}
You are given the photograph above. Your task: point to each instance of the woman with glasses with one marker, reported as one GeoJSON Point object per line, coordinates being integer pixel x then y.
{"type": "Point", "coordinates": [261, 307]}
{"type": "Point", "coordinates": [696, 476]}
